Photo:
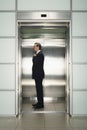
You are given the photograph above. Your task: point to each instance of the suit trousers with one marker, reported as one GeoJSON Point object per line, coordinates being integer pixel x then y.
{"type": "Point", "coordinates": [39, 90]}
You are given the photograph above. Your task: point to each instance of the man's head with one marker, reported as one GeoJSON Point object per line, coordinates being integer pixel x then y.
{"type": "Point", "coordinates": [37, 46]}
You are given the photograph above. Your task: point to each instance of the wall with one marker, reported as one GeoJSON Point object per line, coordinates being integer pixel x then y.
{"type": "Point", "coordinates": [7, 57]}
{"type": "Point", "coordinates": [79, 58]}
{"type": "Point", "coordinates": [9, 47]}
{"type": "Point", "coordinates": [28, 5]}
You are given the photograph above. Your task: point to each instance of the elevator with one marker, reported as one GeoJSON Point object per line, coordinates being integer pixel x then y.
{"type": "Point", "coordinates": [54, 36]}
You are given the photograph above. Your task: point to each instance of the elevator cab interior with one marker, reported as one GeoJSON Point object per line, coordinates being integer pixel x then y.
{"type": "Point", "coordinates": [54, 38]}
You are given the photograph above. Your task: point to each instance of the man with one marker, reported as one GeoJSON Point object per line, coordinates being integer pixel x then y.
{"type": "Point", "coordinates": [38, 74]}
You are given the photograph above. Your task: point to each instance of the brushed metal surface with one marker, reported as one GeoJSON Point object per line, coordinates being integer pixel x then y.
{"type": "Point", "coordinates": [55, 51]}
{"type": "Point", "coordinates": [54, 66]}
{"type": "Point", "coordinates": [43, 15]}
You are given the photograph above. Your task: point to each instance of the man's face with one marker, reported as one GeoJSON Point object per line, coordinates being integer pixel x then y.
{"type": "Point", "coordinates": [36, 48]}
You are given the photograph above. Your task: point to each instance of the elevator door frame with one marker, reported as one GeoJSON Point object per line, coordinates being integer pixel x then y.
{"type": "Point", "coordinates": [67, 53]}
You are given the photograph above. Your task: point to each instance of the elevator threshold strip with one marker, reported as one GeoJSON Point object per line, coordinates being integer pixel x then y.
{"type": "Point", "coordinates": [38, 111]}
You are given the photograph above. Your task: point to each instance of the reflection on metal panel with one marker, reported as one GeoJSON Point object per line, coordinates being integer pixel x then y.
{"type": "Point", "coordinates": [52, 37]}
{"type": "Point", "coordinates": [27, 66]}
{"type": "Point", "coordinates": [53, 32]}
{"type": "Point", "coordinates": [54, 66]}
{"type": "Point", "coordinates": [46, 82]}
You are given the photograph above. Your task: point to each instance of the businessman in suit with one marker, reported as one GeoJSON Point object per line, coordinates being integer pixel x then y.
{"type": "Point", "coordinates": [38, 74]}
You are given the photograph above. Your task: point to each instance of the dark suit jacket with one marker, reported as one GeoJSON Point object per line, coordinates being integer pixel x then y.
{"type": "Point", "coordinates": [37, 68]}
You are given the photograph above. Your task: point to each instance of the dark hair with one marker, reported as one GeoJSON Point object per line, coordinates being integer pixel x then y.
{"type": "Point", "coordinates": [38, 45]}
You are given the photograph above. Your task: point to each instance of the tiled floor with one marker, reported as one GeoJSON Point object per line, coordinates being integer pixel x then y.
{"type": "Point", "coordinates": [43, 120]}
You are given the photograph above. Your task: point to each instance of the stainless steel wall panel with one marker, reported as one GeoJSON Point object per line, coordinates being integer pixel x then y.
{"type": "Point", "coordinates": [54, 64]}
{"type": "Point", "coordinates": [53, 38]}
{"type": "Point", "coordinates": [49, 15]}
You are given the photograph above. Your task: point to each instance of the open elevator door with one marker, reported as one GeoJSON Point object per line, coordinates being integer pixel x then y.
{"type": "Point", "coordinates": [54, 38]}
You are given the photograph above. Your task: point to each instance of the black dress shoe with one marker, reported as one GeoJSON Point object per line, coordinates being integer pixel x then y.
{"type": "Point", "coordinates": [38, 106]}
{"type": "Point", "coordinates": [34, 104]}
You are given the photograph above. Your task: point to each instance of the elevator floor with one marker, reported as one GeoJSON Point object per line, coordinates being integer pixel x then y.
{"type": "Point", "coordinates": [49, 107]}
